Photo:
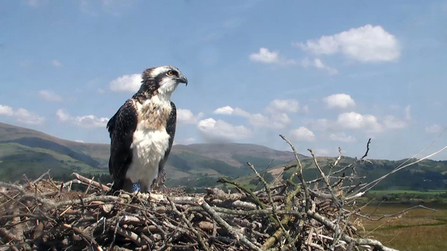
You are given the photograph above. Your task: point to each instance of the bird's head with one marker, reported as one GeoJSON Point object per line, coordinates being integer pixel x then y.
{"type": "Point", "coordinates": [162, 80]}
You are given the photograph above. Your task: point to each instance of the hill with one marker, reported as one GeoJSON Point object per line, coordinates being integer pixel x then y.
{"type": "Point", "coordinates": [30, 152]}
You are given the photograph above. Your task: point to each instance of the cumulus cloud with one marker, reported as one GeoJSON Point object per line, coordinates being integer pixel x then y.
{"type": "Point", "coordinates": [265, 56]}
{"type": "Point", "coordinates": [287, 106]}
{"type": "Point", "coordinates": [228, 110]}
{"type": "Point", "coordinates": [185, 116]}
{"type": "Point", "coordinates": [49, 96]}
{"type": "Point", "coordinates": [341, 101]}
{"type": "Point", "coordinates": [56, 63]}
{"type": "Point", "coordinates": [87, 121]}
{"type": "Point", "coordinates": [6, 110]}
{"type": "Point", "coordinates": [221, 130]}
{"type": "Point", "coordinates": [22, 115]}
{"type": "Point", "coordinates": [277, 120]}
{"type": "Point", "coordinates": [320, 65]}
{"type": "Point", "coordinates": [353, 120]}
{"type": "Point", "coordinates": [126, 83]}
{"type": "Point", "coordinates": [269, 57]}
{"type": "Point", "coordinates": [365, 44]}
{"type": "Point", "coordinates": [342, 137]}
{"type": "Point", "coordinates": [435, 128]}
{"type": "Point", "coordinates": [302, 134]}
{"type": "Point", "coordinates": [259, 120]}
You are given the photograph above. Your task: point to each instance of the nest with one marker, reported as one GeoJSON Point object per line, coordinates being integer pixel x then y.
{"type": "Point", "coordinates": [285, 215]}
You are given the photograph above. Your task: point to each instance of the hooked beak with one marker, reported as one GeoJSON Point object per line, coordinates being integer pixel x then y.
{"type": "Point", "coordinates": [183, 79]}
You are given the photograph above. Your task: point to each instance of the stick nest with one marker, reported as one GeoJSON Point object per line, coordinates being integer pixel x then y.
{"type": "Point", "coordinates": [294, 214]}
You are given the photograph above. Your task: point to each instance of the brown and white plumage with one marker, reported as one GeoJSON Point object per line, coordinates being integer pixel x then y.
{"type": "Point", "coordinates": [142, 131]}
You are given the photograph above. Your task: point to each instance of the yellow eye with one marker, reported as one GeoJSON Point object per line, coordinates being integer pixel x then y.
{"type": "Point", "coordinates": [171, 73]}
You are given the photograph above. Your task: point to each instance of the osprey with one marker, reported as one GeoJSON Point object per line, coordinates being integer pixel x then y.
{"type": "Point", "coordinates": [142, 131]}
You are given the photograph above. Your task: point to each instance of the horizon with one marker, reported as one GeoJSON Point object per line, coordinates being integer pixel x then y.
{"type": "Point", "coordinates": [325, 75]}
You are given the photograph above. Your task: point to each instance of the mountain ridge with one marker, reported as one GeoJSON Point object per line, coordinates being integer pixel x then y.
{"type": "Point", "coordinates": [30, 152]}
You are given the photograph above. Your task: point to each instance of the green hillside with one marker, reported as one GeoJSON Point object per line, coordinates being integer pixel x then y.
{"type": "Point", "coordinates": [30, 152]}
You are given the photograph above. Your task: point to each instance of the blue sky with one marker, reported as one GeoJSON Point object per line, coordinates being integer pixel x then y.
{"type": "Point", "coordinates": [323, 73]}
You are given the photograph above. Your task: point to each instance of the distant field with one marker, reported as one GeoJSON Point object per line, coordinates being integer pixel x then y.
{"type": "Point", "coordinates": [429, 192]}
{"type": "Point", "coordinates": [418, 229]}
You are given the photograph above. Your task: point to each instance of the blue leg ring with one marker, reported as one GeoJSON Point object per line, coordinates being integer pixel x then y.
{"type": "Point", "coordinates": [136, 187]}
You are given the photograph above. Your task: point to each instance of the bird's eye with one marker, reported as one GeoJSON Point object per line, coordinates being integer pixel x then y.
{"type": "Point", "coordinates": [172, 73]}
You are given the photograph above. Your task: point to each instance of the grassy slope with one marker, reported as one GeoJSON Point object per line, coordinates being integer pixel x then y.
{"type": "Point", "coordinates": [417, 230]}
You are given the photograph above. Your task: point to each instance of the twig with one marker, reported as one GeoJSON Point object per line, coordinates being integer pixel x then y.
{"type": "Point", "coordinates": [224, 224]}
{"type": "Point", "coordinates": [299, 170]}
{"type": "Point", "coordinates": [190, 226]}
{"type": "Point", "coordinates": [275, 215]}
{"type": "Point", "coordinates": [90, 181]}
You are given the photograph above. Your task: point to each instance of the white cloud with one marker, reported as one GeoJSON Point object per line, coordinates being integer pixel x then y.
{"type": "Point", "coordinates": [353, 120]}
{"type": "Point", "coordinates": [365, 44]}
{"type": "Point", "coordinates": [317, 63]}
{"type": "Point", "coordinates": [185, 116]}
{"type": "Point", "coordinates": [320, 65]}
{"type": "Point", "coordinates": [22, 115]}
{"type": "Point", "coordinates": [391, 122]}
{"type": "Point", "coordinates": [90, 121]}
{"type": "Point", "coordinates": [87, 121]}
{"type": "Point", "coordinates": [280, 120]}
{"type": "Point", "coordinates": [126, 83]}
{"type": "Point", "coordinates": [341, 100]}
{"type": "Point", "coordinates": [6, 110]}
{"type": "Point", "coordinates": [435, 128]}
{"type": "Point", "coordinates": [342, 137]}
{"type": "Point", "coordinates": [228, 110]}
{"type": "Point", "coordinates": [287, 106]}
{"type": "Point", "coordinates": [79, 141]}
{"type": "Point", "coordinates": [269, 57]}
{"type": "Point", "coordinates": [259, 120]}
{"type": "Point", "coordinates": [49, 96]}
{"type": "Point", "coordinates": [265, 56]}
{"type": "Point", "coordinates": [62, 115]}
{"type": "Point", "coordinates": [56, 63]}
{"type": "Point", "coordinates": [302, 134]}
{"type": "Point", "coordinates": [277, 120]}
{"type": "Point", "coordinates": [222, 130]}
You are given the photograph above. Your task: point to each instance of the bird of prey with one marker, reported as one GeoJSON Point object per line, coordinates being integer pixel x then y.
{"type": "Point", "coordinates": [142, 131]}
